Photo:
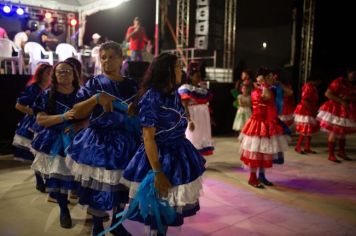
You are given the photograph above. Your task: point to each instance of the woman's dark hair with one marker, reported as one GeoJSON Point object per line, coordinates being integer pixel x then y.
{"type": "Point", "coordinates": [160, 75]}
{"type": "Point", "coordinates": [38, 76]}
{"type": "Point", "coordinates": [193, 67]}
{"type": "Point", "coordinates": [264, 71]}
{"type": "Point", "coordinates": [78, 67]}
{"type": "Point", "coordinates": [113, 46]}
{"type": "Point", "coordinates": [76, 63]}
{"type": "Point", "coordinates": [53, 90]}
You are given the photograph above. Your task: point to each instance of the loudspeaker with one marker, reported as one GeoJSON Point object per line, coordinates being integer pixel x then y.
{"type": "Point", "coordinates": [203, 2]}
{"type": "Point", "coordinates": [202, 13]}
{"type": "Point", "coordinates": [202, 28]}
{"type": "Point", "coordinates": [209, 25]}
{"type": "Point", "coordinates": [201, 42]}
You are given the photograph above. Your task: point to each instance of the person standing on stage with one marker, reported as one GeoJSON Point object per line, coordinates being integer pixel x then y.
{"type": "Point", "coordinates": [243, 112]}
{"type": "Point", "coordinates": [305, 116]}
{"type": "Point", "coordinates": [44, 36]}
{"type": "Point", "coordinates": [165, 150]}
{"type": "Point", "coordinates": [137, 36]}
{"type": "Point", "coordinates": [337, 116]}
{"type": "Point", "coordinates": [100, 152]}
{"type": "Point", "coordinates": [55, 114]}
{"type": "Point", "coordinates": [263, 138]}
{"type": "Point", "coordinates": [195, 99]}
{"type": "Point", "coordinates": [24, 132]}
{"type": "Point", "coordinates": [21, 38]}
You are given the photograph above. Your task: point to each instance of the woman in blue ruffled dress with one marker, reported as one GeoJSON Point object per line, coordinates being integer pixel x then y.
{"type": "Point", "coordinates": [24, 132]}
{"type": "Point", "coordinates": [99, 153]}
{"type": "Point", "coordinates": [54, 114]}
{"type": "Point", "coordinates": [177, 165]}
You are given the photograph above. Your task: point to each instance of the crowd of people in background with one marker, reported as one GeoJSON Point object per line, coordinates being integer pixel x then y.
{"type": "Point", "coordinates": [136, 45]}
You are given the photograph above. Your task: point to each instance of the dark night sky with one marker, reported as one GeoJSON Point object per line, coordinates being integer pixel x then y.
{"type": "Point", "coordinates": [113, 23]}
{"type": "Point", "coordinates": [263, 21]}
{"type": "Point", "coordinates": [334, 41]}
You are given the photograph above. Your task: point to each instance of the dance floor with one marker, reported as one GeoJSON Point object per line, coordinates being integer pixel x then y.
{"type": "Point", "coordinates": [311, 196]}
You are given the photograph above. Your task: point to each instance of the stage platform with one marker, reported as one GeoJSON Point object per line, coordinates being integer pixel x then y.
{"type": "Point", "coordinates": [311, 196]}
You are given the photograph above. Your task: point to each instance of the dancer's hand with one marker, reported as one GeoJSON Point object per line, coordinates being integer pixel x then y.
{"type": "Point", "coordinates": [162, 184]}
{"type": "Point", "coordinates": [131, 110]}
{"type": "Point", "coordinates": [69, 115]}
{"type": "Point", "coordinates": [106, 101]}
{"type": "Point", "coordinates": [30, 110]}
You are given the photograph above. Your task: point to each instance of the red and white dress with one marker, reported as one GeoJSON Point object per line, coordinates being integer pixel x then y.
{"type": "Point", "coordinates": [333, 116]}
{"type": "Point", "coordinates": [306, 111]}
{"type": "Point", "coordinates": [288, 109]}
{"type": "Point", "coordinates": [198, 105]}
{"type": "Point", "coordinates": [262, 137]}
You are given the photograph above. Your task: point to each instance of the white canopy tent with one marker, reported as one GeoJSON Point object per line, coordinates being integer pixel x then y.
{"type": "Point", "coordinates": [83, 7]}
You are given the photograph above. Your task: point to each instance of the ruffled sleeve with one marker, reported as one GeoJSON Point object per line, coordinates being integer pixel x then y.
{"type": "Point", "coordinates": [198, 94]}
{"type": "Point", "coordinates": [29, 95]}
{"type": "Point", "coordinates": [185, 91]}
{"type": "Point", "coordinates": [87, 91]}
{"type": "Point", "coordinates": [41, 104]}
{"type": "Point", "coordinates": [149, 108]}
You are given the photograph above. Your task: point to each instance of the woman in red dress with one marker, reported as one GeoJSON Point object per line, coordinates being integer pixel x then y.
{"type": "Point", "coordinates": [305, 116]}
{"type": "Point", "coordinates": [337, 116]}
{"type": "Point", "coordinates": [263, 137]}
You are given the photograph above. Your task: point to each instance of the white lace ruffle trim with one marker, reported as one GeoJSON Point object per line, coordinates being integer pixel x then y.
{"type": "Point", "coordinates": [85, 173]}
{"type": "Point", "coordinates": [335, 120]}
{"type": "Point", "coordinates": [305, 119]}
{"type": "Point", "coordinates": [21, 141]}
{"type": "Point", "coordinates": [180, 195]}
{"type": "Point", "coordinates": [286, 117]}
{"type": "Point", "coordinates": [270, 145]}
{"type": "Point", "coordinates": [49, 165]}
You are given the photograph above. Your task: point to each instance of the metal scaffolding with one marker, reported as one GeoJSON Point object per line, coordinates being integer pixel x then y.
{"type": "Point", "coordinates": [229, 34]}
{"type": "Point", "coordinates": [307, 36]}
{"type": "Point", "coordinates": [182, 24]}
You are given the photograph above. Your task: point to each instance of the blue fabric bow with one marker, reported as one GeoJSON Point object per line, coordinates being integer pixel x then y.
{"type": "Point", "coordinates": [120, 106]}
{"type": "Point", "coordinates": [63, 141]}
{"type": "Point", "coordinates": [132, 123]}
{"type": "Point", "coordinates": [147, 202]}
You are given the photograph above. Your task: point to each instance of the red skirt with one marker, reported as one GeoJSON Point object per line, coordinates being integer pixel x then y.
{"type": "Point", "coordinates": [261, 141]}
{"type": "Point", "coordinates": [336, 118]}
